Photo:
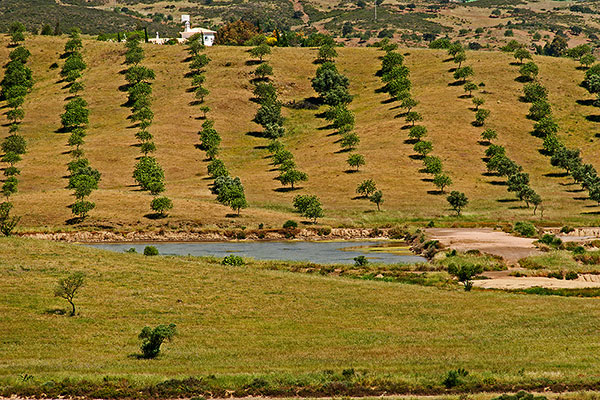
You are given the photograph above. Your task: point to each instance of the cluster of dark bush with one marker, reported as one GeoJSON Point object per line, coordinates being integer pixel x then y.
{"type": "Point", "coordinates": [15, 85]}
{"type": "Point", "coordinates": [147, 172]}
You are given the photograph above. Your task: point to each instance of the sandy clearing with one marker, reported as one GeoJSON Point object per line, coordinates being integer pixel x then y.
{"type": "Point", "coordinates": [510, 248]}
{"type": "Point", "coordinates": [511, 282]}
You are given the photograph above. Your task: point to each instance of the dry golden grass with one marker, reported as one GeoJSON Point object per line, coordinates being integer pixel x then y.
{"type": "Point", "coordinates": [43, 199]}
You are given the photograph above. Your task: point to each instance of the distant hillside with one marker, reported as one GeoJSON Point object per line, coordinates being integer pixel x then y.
{"type": "Point", "coordinates": [42, 199]}
{"type": "Point", "coordinates": [36, 13]}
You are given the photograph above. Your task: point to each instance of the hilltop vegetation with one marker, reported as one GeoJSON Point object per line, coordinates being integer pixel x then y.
{"type": "Point", "coordinates": [391, 162]}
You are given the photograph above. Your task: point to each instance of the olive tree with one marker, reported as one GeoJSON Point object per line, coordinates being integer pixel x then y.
{"type": "Point", "coordinates": [377, 198]}
{"type": "Point", "coordinates": [356, 160]}
{"type": "Point", "coordinates": [458, 201]}
{"type": "Point", "coordinates": [68, 287]}
{"type": "Point", "coordinates": [366, 188]}
{"type": "Point", "coordinates": [442, 181]}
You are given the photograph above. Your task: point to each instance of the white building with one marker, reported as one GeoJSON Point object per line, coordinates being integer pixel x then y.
{"type": "Point", "coordinates": [208, 36]}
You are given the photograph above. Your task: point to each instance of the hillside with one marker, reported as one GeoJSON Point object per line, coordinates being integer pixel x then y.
{"type": "Point", "coordinates": [43, 199]}
{"type": "Point", "coordinates": [254, 329]}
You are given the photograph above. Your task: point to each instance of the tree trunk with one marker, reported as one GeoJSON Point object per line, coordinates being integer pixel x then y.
{"type": "Point", "coordinates": [72, 308]}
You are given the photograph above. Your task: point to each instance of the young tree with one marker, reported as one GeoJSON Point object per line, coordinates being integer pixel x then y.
{"type": "Point", "coordinates": [521, 54]}
{"type": "Point", "coordinates": [423, 148]}
{"type": "Point", "coordinates": [260, 51]}
{"type": "Point", "coordinates": [291, 176]}
{"type": "Point", "coordinates": [327, 53]}
{"type": "Point", "coordinates": [534, 91]}
{"type": "Point", "coordinates": [480, 116]}
{"type": "Point", "coordinates": [366, 188]}
{"type": "Point", "coordinates": [152, 339]}
{"type": "Point", "coordinates": [413, 117]}
{"type": "Point", "coordinates": [433, 165]}
{"type": "Point", "coordinates": [463, 73]}
{"type": "Point", "coordinates": [457, 201]}
{"type": "Point", "coordinates": [17, 33]}
{"type": "Point", "coordinates": [539, 109]}
{"type": "Point", "coordinates": [349, 141]}
{"type": "Point", "coordinates": [489, 135]}
{"type": "Point", "coordinates": [587, 60]}
{"type": "Point", "coordinates": [308, 206]}
{"type": "Point", "coordinates": [409, 103]}
{"type": "Point", "coordinates": [377, 198]}
{"type": "Point", "coordinates": [470, 87]}
{"type": "Point", "coordinates": [417, 132]}
{"type": "Point", "coordinates": [529, 70]}
{"type": "Point", "coordinates": [263, 70]}
{"type": "Point", "coordinates": [161, 204]}
{"type": "Point", "coordinates": [465, 273]}
{"type": "Point", "coordinates": [356, 160]}
{"type": "Point", "coordinates": [459, 58]}
{"type": "Point", "coordinates": [442, 181]}
{"type": "Point", "coordinates": [68, 287]}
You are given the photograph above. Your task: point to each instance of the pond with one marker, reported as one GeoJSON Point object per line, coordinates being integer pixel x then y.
{"type": "Point", "coordinates": [318, 252]}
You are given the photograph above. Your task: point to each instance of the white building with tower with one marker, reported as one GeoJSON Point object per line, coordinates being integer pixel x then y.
{"type": "Point", "coordinates": [208, 36]}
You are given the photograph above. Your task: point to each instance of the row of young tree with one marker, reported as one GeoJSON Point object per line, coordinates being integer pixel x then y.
{"type": "Point", "coordinates": [15, 85]}
{"type": "Point", "coordinates": [546, 128]}
{"type": "Point", "coordinates": [332, 88]}
{"type": "Point", "coordinates": [497, 161]}
{"type": "Point", "coordinates": [229, 190]}
{"type": "Point", "coordinates": [396, 78]}
{"type": "Point", "coordinates": [83, 179]}
{"type": "Point", "coordinates": [270, 118]}
{"type": "Point", "coordinates": [148, 173]}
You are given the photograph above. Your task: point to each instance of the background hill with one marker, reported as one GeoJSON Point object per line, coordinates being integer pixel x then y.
{"type": "Point", "coordinates": [486, 23]}
{"type": "Point", "coordinates": [43, 199]}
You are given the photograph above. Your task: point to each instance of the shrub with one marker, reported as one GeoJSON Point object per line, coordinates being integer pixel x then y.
{"type": "Point", "coordinates": [454, 377]}
{"type": "Point", "coordinates": [150, 251]}
{"type": "Point", "coordinates": [152, 339]}
{"type": "Point", "coordinates": [233, 260]}
{"type": "Point", "coordinates": [360, 261]}
{"type": "Point", "coordinates": [324, 231]}
{"type": "Point", "coordinates": [571, 275]}
{"type": "Point", "coordinates": [290, 224]}
{"type": "Point", "coordinates": [526, 229]}
{"type": "Point", "coordinates": [465, 273]}
{"type": "Point", "coordinates": [555, 275]}
{"type": "Point", "coordinates": [588, 258]}
{"type": "Point", "coordinates": [567, 229]}
{"type": "Point", "coordinates": [550, 240]}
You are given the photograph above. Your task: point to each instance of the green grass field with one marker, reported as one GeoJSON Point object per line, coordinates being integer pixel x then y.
{"type": "Point", "coordinates": [43, 199]}
{"type": "Point", "coordinates": [240, 323]}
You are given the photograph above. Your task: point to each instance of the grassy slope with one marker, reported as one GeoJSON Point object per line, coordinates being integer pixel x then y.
{"type": "Point", "coordinates": [43, 200]}
{"type": "Point", "coordinates": [247, 320]}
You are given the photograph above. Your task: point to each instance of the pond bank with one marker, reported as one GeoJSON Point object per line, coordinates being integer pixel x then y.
{"type": "Point", "coordinates": [213, 235]}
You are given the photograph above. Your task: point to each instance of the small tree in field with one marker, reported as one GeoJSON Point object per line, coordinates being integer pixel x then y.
{"type": "Point", "coordinates": [308, 206]}
{"type": "Point", "coordinates": [417, 132]}
{"type": "Point", "coordinates": [260, 51]}
{"type": "Point", "coordinates": [459, 58]}
{"type": "Point", "coordinates": [465, 273]}
{"type": "Point", "coordinates": [409, 103]}
{"type": "Point", "coordinates": [457, 201]}
{"type": "Point", "coordinates": [423, 148]}
{"type": "Point", "coordinates": [413, 117]}
{"type": "Point", "coordinates": [263, 70]}
{"type": "Point", "coordinates": [463, 73]}
{"type": "Point", "coordinates": [470, 87]}
{"type": "Point", "coordinates": [477, 102]}
{"type": "Point", "coordinates": [67, 288]}
{"type": "Point", "coordinates": [377, 198]}
{"type": "Point", "coordinates": [152, 339]}
{"type": "Point", "coordinates": [161, 205]}
{"type": "Point", "coordinates": [521, 54]}
{"type": "Point", "coordinates": [489, 135]}
{"type": "Point", "coordinates": [480, 116]}
{"type": "Point", "coordinates": [587, 60]}
{"type": "Point", "coordinates": [356, 160]}
{"type": "Point", "coordinates": [349, 141]}
{"type": "Point", "coordinates": [529, 70]}
{"type": "Point", "coordinates": [442, 181]}
{"type": "Point", "coordinates": [366, 188]}
{"type": "Point", "coordinates": [327, 53]}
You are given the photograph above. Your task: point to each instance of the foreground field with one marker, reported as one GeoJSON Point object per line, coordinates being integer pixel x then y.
{"type": "Point", "coordinates": [43, 199]}
{"type": "Point", "coordinates": [241, 323]}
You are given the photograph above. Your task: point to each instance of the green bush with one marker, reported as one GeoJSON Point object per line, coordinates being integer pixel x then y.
{"type": "Point", "coordinates": [571, 275]}
{"type": "Point", "coordinates": [152, 339]}
{"type": "Point", "coordinates": [290, 224]}
{"type": "Point", "coordinates": [550, 240]}
{"type": "Point", "coordinates": [454, 377]}
{"type": "Point", "coordinates": [324, 231]}
{"type": "Point", "coordinates": [528, 263]}
{"type": "Point", "coordinates": [588, 258]}
{"type": "Point", "coordinates": [150, 251]}
{"type": "Point", "coordinates": [567, 229]}
{"type": "Point", "coordinates": [360, 261]}
{"type": "Point", "coordinates": [555, 275]}
{"type": "Point", "coordinates": [233, 260]}
{"type": "Point", "coordinates": [526, 229]}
